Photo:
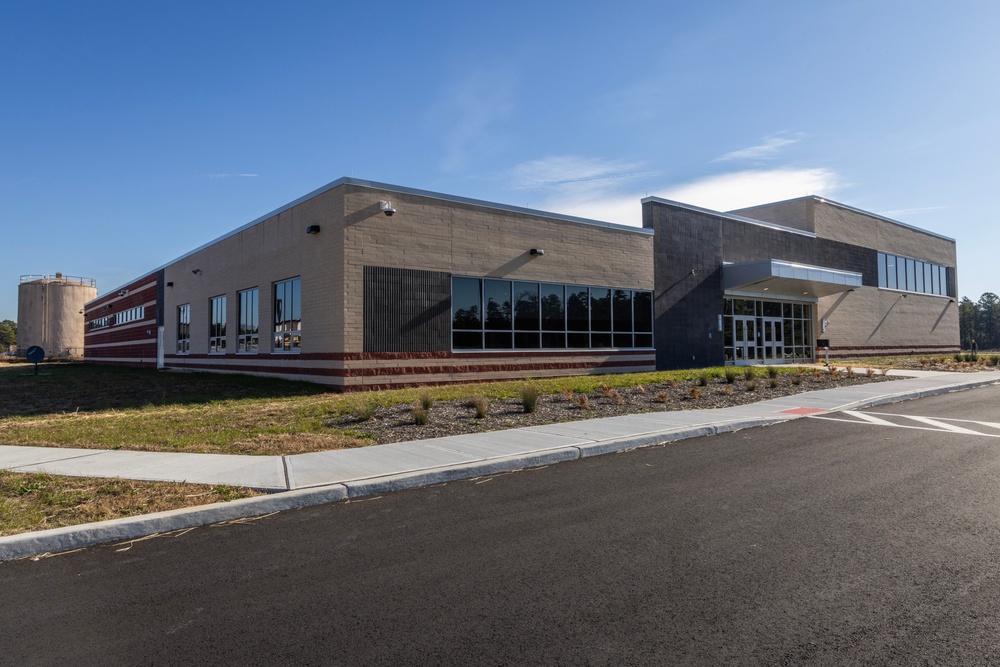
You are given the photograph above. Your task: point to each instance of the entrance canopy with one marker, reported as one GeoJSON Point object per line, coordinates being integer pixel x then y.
{"type": "Point", "coordinates": [788, 279]}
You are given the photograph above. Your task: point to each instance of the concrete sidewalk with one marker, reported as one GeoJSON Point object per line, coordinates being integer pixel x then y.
{"type": "Point", "coordinates": [327, 476]}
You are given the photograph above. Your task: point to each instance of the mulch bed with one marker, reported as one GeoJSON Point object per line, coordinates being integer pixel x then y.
{"type": "Point", "coordinates": [396, 423]}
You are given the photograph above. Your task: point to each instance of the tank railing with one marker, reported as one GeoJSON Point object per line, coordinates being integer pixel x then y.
{"type": "Point", "coordinates": [66, 279]}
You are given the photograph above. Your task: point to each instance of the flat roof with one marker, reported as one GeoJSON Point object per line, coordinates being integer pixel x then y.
{"type": "Point", "coordinates": [375, 185]}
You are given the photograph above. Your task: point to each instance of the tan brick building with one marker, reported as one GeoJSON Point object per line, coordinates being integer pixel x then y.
{"type": "Point", "coordinates": [365, 285]}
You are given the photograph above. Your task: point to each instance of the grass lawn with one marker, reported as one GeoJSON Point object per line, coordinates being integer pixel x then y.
{"type": "Point", "coordinates": [102, 407]}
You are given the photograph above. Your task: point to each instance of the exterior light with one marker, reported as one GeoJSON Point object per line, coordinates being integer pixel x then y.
{"type": "Point", "coordinates": [538, 252]}
{"type": "Point", "coordinates": [386, 207]}
{"type": "Point", "coordinates": [312, 229]}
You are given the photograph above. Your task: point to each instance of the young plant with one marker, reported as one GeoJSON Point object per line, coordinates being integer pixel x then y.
{"type": "Point", "coordinates": [606, 390]}
{"type": "Point", "coordinates": [772, 383]}
{"type": "Point", "coordinates": [529, 397]}
{"type": "Point", "coordinates": [750, 386]}
{"type": "Point", "coordinates": [419, 415]}
{"type": "Point", "coordinates": [727, 390]}
{"type": "Point", "coordinates": [617, 398]}
{"type": "Point", "coordinates": [366, 411]}
{"type": "Point", "coordinates": [772, 372]}
{"type": "Point", "coordinates": [703, 380]}
{"type": "Point", "coordinates": [662, 397]}
{"type": "Point", "coordinates": [730, 374]}
{"type": "Point", "coordinates": [426, 400]}
{"type": "Point", "coordinates": [479, 405]}
{"type": "Point", "coordinates": [567, 394]}
{"type": "Point", "coordinates": [695, 393]}
{"type": "Point", "coordinates": [583, 402]}
{"type": "Point", "coordinates": [639, 388]}
{"type": "Point", "coordinates": [797, 379]}
{"type": "Point", "coordinates": [749, 373]}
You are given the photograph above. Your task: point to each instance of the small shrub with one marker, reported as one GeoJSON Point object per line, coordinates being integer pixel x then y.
{"type": "Point", "coordinates": [426, 401]}
{"type": "Point", "coordinates": [419, 415]}
{"type": "Point", "coordinates": [366, 411]}
{"type": "Point", "coordinates": [583, 402]}
{"type": "Point", "coordinates": [695, 393]}
{"type": "Point", "coordinates": [751, 386]}
{"type": "Point", "coordinates": [617, 398]}
{"type": "Point", "coordinates": [606, 391]}
{"type": "Point", "coordinates": [834, 374]}
{"type": "Point", "coordinates": [567, 394]}
{"type": "Point", "coordinates": [672, 383]}
{"type": "Point", "coordinates": [480, 405]}
{"type": "Point", "coordinates": [924, 361]}
{"type": "Point", "coordinates": [797, 379]}
{"type": "Point", "coordinates": [703, 380]}
{"type": "Point", "coordinates": [749, 373]}
{"type": "Point", "coordinates": [885, 371]}
{"type": "Point", "coordinates": [870, 372]}
{"type": "Point", "coordinates": [529, 397]}
{"type": "Point", "coordinates": [851, 373]}
{"type": "Point", "coordinates": [958, 357]}
{"type": "Point", "coordinates": [726, 390]}
{"type": "Point", "coordinates": [968, 357]}
{"type": "Point", "coordinates": [662, 397]}
{"type": "Point", "coordinates": [730, 375]}
{"type": "Point", "coordinates": [639, 388]}
{"type": "Point", "coordinates": [772, 383]}
{"type": "Point", "coordinates": [772, 372]}
{"type": "Point", "coordinates": [995, 360]}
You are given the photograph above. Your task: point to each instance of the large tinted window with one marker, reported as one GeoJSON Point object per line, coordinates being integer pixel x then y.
{"type": "Point", "coordinates": [501, 314]}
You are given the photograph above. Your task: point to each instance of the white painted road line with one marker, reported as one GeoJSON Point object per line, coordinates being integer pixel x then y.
{"type": "Point", "coordinates": [930, 423]}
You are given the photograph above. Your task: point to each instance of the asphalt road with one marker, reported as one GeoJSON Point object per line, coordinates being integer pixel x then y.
{"type": "Point", "coordinates": [811, 542]}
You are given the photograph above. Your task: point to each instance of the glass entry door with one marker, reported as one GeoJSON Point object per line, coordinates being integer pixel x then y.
{"type": "Point", "coordinates": [772, 340]}
{"type": "Point", "coordinates": [744, 340]}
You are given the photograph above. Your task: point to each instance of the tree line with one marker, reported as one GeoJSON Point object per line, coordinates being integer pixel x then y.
{"type": "Point", "coordinates": [8, 334]}
{"type": "Point", "coordinates": [980, 321]}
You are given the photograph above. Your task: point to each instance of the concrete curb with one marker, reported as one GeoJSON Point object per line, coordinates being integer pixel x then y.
{"type": "Point", "coordinates": [86, 535]}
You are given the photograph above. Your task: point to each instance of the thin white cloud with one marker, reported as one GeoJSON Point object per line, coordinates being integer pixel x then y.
{"type": "Point", "coordinates": [725, 192]}
{"type": "Point", "coordinates": [562, 171]}
{"type": "Point", "coordinates": [895, 213]}
{"type": "Point", "coordinates": [765, 150]}
{"type": "Point", "coordinates": [468, 114]}
{"type": "Point", "coordinates": [721, 192]}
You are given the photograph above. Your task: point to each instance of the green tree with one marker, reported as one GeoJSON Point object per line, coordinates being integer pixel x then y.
{"type": "Point", "coordinates": [988, 321]}
{"type": "Point", "coordinates": [8, 334]}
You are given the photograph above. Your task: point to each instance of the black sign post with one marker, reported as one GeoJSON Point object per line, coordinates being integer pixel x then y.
{"type": "Point", "coordinates": [825, 344]}
{"type": "Point", "coordinates": [35, 355]}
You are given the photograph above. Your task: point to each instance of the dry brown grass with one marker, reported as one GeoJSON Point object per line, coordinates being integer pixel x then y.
{"type": "Point", "coordinates": [33, 501]}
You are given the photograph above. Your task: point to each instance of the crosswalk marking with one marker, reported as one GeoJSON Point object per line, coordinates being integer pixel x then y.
{"type": "Point", "coordinates": [940, 424]}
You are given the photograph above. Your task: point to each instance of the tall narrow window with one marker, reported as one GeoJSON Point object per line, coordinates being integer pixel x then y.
{"type": "Point", "coordinates": [184, 329]}
{"type": "Point", "coordinates": [288, 315]}
{"type": "Point", "coordinates": [217, 328]}
{"type": "Point", "coordinates": [248, 333]}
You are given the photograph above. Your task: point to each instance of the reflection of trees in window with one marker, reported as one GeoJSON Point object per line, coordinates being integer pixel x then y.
{"type": "Point", "coordinates": [526, 306]}
{"type": "Point", "coordinates": [467, 318]}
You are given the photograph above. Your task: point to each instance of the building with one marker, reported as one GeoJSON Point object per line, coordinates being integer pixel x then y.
{"type": "Point", "coordinates": [365, 285]}
{"type": "Point", "coordinates": [773, 283]}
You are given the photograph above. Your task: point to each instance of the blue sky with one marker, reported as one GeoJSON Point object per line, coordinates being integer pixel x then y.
{"type": "Point", "coordinates": [133, 132]}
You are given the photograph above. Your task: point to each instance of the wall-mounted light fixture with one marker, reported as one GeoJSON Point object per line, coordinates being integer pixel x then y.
{"type": "Point", "coordinates": [951, 301]}
{"type": "Point", "coordinates": [196, 272]}
{"type": "Point", "coordinates": [538, 252]}
{"type": "Point", "coordinates": [312, 229]}
{"type": "Point", "coordinates": [386, 207]}
{"type": "Point", "coordinates": [123, 292]}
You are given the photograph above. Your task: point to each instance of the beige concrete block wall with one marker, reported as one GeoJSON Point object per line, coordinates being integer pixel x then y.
{"type": "Point", "coordinates": [842, 224]}
{"type": "Point", "coordinates": [436, 235]}
{"type": "Point", "coordinates": [876, 318]}
{"type": "Point", "coordinates": [269, 251]}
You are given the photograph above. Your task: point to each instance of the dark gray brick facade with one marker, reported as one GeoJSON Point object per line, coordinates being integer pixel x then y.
{"type": "Point", "coordinates": [406, 310]}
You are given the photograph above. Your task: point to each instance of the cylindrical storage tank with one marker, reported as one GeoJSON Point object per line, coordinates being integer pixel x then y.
{"type": "Point", "coordinates": [49, 313]}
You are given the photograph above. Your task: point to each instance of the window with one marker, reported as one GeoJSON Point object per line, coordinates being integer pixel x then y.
{"type": "Point", "coordinates": [288, 316]}
{"type": "Point", "coordinates": [911, 275]}
{"type": "Point", "coordinates": [217, 329]}
{"type": "Point", "coordinates": [514, 314]}
{"type": "Point", "coordinates": [100, 323]}
{"type": "Point", "coordinates": [248, 333]}
{"type": "Point", "coordinates": [130, 315]}
{"type": "Point", "coordinates": [184, 329]}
